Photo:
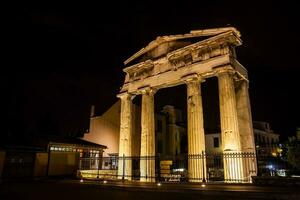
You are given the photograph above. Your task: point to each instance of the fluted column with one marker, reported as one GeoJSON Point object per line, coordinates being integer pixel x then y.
{"type": "Point", "coordinates": [125, 162]}
{"type": "Point", "coordinates": [231, 145]}
{"type": "Point", "coordinates": [244, 117]}
{"type": "Point", "coordinates": [196, 137]}
{"type": "Point", "coordinates": [246, 128]}
{"type": "Point", "coordinates": [147, 162]}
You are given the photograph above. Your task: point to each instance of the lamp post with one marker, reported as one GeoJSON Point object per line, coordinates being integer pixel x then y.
{"type": "Point", "coordinates": [98, 167]}
{"type": "Point", "coordinates": [203, 168]}
{"type": "Point", "coordinates": [123, 167]}
{"type": "Point", "coordinates": [257, 160]}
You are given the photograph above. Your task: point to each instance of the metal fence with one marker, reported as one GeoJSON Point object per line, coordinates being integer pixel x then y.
{"type": "Point", "coordinates": [204, 167]}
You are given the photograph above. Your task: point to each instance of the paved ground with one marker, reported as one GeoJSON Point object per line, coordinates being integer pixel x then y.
{"type": "Point", "coordinates": [74, 189]}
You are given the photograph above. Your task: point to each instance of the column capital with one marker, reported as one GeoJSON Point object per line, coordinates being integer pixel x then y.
{"type": "Point", "coordinates": [147, 90]}
{"type": "Point", "coordinates": [224, 70]}
{"type": "Point", "coordinates": [125, 95]}
{"type": "Point", "coordinates": [192, 78]}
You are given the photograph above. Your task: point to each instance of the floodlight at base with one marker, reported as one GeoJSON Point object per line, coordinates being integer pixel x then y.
{"type": "Point", "coordinates": [203, 185]}
{"type": "Point", "coordinates": [81, 180]}
{"type": "Point", "coordinates": [158, 184]}
{"type": "Point", "coordinates": [104, 181]}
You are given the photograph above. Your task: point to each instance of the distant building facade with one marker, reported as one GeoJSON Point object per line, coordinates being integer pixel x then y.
{"type": "Point", "coordinates": [264, 135]}
{"type": "Point", "coordinates": [266, 140]}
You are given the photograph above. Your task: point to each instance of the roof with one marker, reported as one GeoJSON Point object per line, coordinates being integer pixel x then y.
{"type": "Point", "coordinates": [194, 33]}
{"type": "Point", "coordinates": [41, 143]}
{"type": "Point", "coordinates": [75, 141]}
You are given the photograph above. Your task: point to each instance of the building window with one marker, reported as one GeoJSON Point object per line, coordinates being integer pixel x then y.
{"type": "Point", "coordinates": [216, 142]}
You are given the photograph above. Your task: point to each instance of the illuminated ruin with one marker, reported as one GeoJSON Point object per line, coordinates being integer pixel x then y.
{"type": "Point", "coordinates": [189, 59]}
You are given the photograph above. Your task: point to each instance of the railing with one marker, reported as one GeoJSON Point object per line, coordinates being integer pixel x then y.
{"type": "Point", "coordinates": [226, 167]}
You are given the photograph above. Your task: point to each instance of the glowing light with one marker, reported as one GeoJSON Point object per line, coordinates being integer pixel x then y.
{"type": "Point", "coordinates": [274, 154]}
{"type": "Point", "coordinates": [179, 170]}
{"type": "Point", "coordinates": [203, 185]}
{"type": "Point", "coordinates": [81, 180]}
{"type": "Point", "coordinates": [269, 166]}
{"type": "Point", "coordinates": [158, 184]}
{"type": "Point", "coordinates": [104, 181]}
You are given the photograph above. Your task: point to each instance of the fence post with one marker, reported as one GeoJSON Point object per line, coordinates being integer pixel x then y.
{"type": "Point", "coordinates": [158, 174]}
{"type": "Point", "coordinates": [123, 175]}
{"type": "Point", "coordinates": [98, 167]}
{"type": "Point", "coordinates": [203, 168]}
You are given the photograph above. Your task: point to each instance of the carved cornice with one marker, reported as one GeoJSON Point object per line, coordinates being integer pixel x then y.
{"type": "Point", "coordinates": [203, 50]}
{"type": "Point", "coordinates": [140, 70]}
{"type": "Point", "coordinates": [139, 66]}
{"type": "Point", "coordinates": [228, 38]}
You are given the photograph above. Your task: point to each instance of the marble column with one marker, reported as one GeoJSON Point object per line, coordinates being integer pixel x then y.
{"type": "Point", "coordinates": [244, 117]}
{"type": "Point", "coordinates": [196, 137]}
{"type": "Point", "coordinates": [147, 162]}
{"type": "Point", "coordinates": [231, 145]}
{"type": "Point", "coordinates": [246, 129]}
{"type": "Point", "coordinates": [125, 140]}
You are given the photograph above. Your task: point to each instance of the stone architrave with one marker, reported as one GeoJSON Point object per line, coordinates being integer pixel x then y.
{"type": "Point", "coordinates": [196, 137]}
{"type": "Point", "coordinates": [147, 158]}
{"type": "Point", "coordinates": [125, 141]}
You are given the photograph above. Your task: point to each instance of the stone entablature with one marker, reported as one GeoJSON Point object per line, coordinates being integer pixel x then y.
{"type": "Point", "coordinates": [161, 40]}
{"type": "Point", "coordinates": [199, 58]}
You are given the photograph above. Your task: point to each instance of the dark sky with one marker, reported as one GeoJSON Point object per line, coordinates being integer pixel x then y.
{"type": "Point", "coordinates": [62, 58]}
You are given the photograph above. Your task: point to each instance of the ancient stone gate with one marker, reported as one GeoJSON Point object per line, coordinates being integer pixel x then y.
{"type": "Point", "coordinates": [189, 59]}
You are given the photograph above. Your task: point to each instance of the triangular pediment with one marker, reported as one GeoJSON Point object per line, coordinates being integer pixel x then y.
{"type": "Point", "coordinates": [165, 44]}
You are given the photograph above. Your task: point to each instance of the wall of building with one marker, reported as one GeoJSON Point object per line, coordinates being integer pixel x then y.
{"type": "Point", "coordinates": [18, 163]}
{"type": "Point", "coordinates": [63, 163]}
{"type": "Point", "coordinates": [40, 164]}
{"type": "Point", "coordinates": [209, 143]}
{"type": "Point", "coordinates": [105, 129]}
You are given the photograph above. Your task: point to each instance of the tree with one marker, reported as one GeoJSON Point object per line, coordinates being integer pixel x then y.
{"type": "Point", "coordinates": [293, 152]}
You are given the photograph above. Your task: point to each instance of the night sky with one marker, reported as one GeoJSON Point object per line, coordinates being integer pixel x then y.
{"type": "Point", "coordinates": [63, 58]}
